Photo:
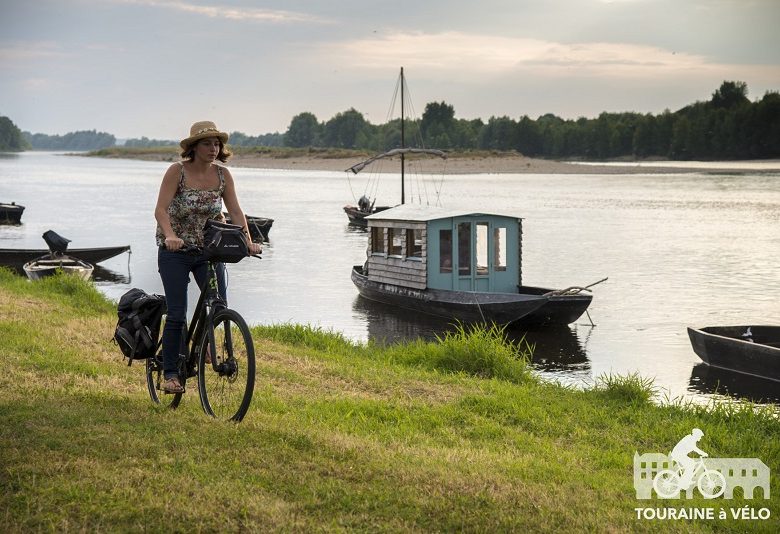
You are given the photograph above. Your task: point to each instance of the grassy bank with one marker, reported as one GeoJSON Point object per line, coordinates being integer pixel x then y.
{"type": "Point", "coordinates": [341, 436]}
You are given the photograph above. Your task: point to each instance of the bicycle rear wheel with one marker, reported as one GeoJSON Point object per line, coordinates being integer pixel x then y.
{"type": "Point", "coordinates": [154, 380]}
{"type": "Point", "coordinates": [226, 392]}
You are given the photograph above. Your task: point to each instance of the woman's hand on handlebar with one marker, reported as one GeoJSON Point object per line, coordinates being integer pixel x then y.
{"type": "Point", "coordinates": [255, 248]}
{"type": "Point", "coordinates": [173, 243]}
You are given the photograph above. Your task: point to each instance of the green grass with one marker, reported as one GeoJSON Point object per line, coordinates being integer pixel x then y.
{"type": "Point", "coordinates": [340, 436]}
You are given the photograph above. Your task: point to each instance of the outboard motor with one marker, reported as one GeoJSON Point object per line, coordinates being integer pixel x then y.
{"type": "Point", "coordinates": [56, 243]}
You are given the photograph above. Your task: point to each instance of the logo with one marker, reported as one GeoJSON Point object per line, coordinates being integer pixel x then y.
{"type": "Point", "coordinates": [676, 474]}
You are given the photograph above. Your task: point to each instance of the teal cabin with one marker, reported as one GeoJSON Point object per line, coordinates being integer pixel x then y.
{"type": "Point", "coordinates": [431, 248]}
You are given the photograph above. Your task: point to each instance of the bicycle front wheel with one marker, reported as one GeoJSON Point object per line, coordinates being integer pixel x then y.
{"type": "Point", "coordinates": [226, 371]}
{"type": "Point", "coordinates": [712, 484]}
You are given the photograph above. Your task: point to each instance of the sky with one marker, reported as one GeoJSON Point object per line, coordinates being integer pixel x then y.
{"type": "Point", "coordinates": [150, 68]}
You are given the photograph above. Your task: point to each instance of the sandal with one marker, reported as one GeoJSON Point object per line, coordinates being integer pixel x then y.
{"type": "Point", "coordinates": [172, 385]}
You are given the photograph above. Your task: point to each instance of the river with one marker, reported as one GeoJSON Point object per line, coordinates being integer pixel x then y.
{"type": "Point", "coordinates": [684, 249]}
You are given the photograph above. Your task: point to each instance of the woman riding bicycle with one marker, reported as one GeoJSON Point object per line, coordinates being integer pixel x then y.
{"type": "Point", "coordinates": [192, 191]}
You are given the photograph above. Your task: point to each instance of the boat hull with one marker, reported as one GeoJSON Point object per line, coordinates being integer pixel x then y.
{"type": "Point", "coordinates": [725, 347]}
{"type": "Point", "coordinates": [259, 227]}
{"type": "Point", "coordinates": [559, 309]}
{"type": "Point", "coordinates": [47, 266]}
{"type": "Point", "coordinates": [11, 213]}
{"type": "Point", "coordinates": [357, 217]}
{"type": "Point", "coordinates": [16, 258]}
{"type": "Point", "coordinates": [467, 307]}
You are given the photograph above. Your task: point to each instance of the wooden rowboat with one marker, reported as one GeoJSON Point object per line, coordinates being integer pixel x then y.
{"type": "Point", "coordinates": [48, 265]}
{"type": "Point", "coordinates": [752, 350]}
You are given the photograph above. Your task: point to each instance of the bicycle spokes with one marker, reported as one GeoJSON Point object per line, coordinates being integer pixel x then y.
{"type": "Point", "coordinates": [226, 385]}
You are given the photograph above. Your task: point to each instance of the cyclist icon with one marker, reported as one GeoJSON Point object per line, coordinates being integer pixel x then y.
{"type": "Point", "coordinates": [680, 453]}
{"type": "Point", "coordinates": [669, 482]}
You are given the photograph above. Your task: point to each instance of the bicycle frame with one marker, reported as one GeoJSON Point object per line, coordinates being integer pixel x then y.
{"type": "Point", "coordinates": [208, 304]}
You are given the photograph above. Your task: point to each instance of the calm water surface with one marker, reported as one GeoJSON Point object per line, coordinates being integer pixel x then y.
{"type": "Point", "coordinates": [679, 250]}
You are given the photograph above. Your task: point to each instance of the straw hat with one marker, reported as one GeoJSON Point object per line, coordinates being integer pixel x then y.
{"type": "Point", "coordinates": [201, 130]}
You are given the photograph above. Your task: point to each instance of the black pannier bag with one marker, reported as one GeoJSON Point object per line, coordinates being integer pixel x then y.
{"type": "Point", "coordinates": [138, 328]}
{"type": "Point", "coordinates": [224, 242]}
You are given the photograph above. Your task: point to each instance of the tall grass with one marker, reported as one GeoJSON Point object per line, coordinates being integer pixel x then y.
{"type": "Point", "coordinates": [631, 388]}
{"type": "Point", "coordinates": [476, 350]}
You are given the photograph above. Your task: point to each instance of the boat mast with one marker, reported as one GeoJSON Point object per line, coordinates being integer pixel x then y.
{"type": "Point", "coordinates": [402, 136]}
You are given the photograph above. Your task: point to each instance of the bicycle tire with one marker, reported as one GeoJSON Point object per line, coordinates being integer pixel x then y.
{"type": "Point", "coordinates": [711, 484]}
{"type": "Point", "coordinates": [154, 379]}
{"type": "Point", "coordinates": [667, 484]}
{"type": "Point", "coordinates": [227, 393]}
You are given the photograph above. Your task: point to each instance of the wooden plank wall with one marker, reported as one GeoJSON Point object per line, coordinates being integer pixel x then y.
{"type": "Point", "coordinates": [400, 271]}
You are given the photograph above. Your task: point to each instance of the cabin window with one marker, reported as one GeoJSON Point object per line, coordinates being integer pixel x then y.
{"type": "Point", "coordinates": [464, 249]}
{"type": "Point", "coordinates": [377, 240]}
{"type": "Point", "coordinates": [482, 248]}
{"type": "Point", "coordinates": [414, 243]}
{"type": "Point", "coordinates": [395, 242]}
{"type": "Point", "coordinates": [445, 251]}
{"type": "Point", "coordinates": [499, 249]}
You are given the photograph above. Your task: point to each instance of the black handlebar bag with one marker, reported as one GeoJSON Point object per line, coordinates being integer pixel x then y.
{"type": "Point", "coordinates": [224, 242]}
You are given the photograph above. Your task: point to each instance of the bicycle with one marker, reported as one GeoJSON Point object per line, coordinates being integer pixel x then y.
{"type": "Point", "coordinates": [669, 482]}
{"type": "Point", "coordinates": [219, 353]}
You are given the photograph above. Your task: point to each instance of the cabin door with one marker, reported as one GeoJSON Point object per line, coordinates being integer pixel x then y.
{"type": "Point", "coordinates": [472, 252]}
{"type": "Point", "coordinates": [484, 259]}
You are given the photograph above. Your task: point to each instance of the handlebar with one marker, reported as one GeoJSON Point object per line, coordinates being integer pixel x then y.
{"type": "Point", "coordinates": [196, 251]}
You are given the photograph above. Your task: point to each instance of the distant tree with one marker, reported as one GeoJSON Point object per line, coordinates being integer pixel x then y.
{"type": "Point", "coordinates": [500, 133]}
{"type": "Point", "coordinates": [242, 139]}
{"type": "Point", "coordinates": [145, 142]}
{"type": "Point", "coordinates": [438, 124]}
{"type": "Point", "coordinates": [529, 141]}
{"type": "Point", "coordinates": [730, 94]}
{"type": "Point", "coordinates": [304, 130]}
{"type": "Point", "coordinates": [342, 130]}
{"type": "Point", "coordinates": [11, 138]}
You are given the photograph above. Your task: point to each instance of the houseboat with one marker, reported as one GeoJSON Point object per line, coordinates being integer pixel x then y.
{"type": "Point", "coordinates": [465, 266]}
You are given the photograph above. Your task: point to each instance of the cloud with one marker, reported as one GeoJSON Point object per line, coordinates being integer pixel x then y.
{"type": "Point", "coordinates": [232, 13]}
{"type": "Point", "coordinates": [498, 56]}
{"type": "Point", "coordinates": [31, 50]}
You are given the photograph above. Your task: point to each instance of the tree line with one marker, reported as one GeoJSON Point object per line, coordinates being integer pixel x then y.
{"type": "Point", "coordinates": [81, 140]}
{"type": "Point", "coordinates": [727, 126]}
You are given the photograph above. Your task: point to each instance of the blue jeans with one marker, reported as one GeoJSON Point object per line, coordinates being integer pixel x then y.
{"type": "Point", "coordinates": [175, 269]}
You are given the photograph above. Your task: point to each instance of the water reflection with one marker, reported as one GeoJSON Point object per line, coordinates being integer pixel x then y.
{"type": "Point", "coordinates": [107, 276]}
{"type": "Point", "coordinates": [557, 350]}
{"type": "Point", "coordinates": [712, 380]}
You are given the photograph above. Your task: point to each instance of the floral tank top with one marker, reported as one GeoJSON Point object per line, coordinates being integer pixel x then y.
{"type": "Point", "coordinates": [191, 208]}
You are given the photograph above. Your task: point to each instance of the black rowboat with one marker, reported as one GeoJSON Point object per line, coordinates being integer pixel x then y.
{"type": "Point", "coordinates": [752, 350]}
{"type": "Point", "coordinates": [259, 227]}
{"type": "Point", "coordinates": [11, 213]}
{"type": "Point", "coordinates": [357, 214]}
{"type": "Point", "coordinates": [16, 258]}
